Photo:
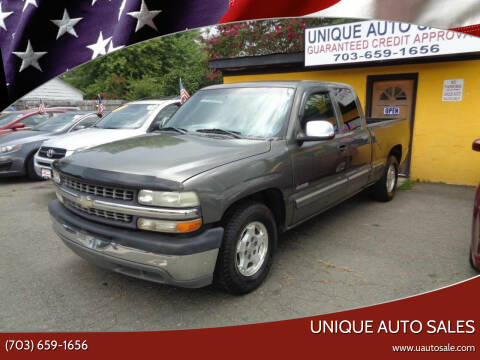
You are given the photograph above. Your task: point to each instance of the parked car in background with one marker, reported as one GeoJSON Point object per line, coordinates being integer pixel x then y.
{"type": "Point", "coordinates": [18, 148]}
{"type": "Point", "coordinates": [26, 119]}
{"type": "Point", "coordinates": [203, 198]}
{"type": "Point", "coordinates": [475, 245]}
{"type": "Point", "coordinates": [131, 119]}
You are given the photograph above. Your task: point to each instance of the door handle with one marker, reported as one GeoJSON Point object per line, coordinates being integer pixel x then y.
{"type": "Point", "coordinates": [342, 148]}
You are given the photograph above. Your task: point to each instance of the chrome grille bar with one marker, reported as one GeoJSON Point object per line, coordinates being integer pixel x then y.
{"type": "Point", "coordinates": [98, 190]}
{"type": "Point", "coordinates": [101, 213]}
{"type": "Point", "coordinates": [144, 211]}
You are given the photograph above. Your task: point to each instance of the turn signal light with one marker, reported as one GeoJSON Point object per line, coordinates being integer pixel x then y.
{"type": "Point", "coordinates": [189, 226]}
{"type": "Point", "coordinates": [169, 226]}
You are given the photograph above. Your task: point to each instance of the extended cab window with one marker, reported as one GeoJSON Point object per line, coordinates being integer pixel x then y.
{"type": "Point", "coordinates": [319, 107]}
{"type": "Point", "coordinates": [348, 108]}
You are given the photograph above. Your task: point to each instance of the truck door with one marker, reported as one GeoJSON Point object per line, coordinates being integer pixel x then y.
{"type": "Point", "coordinates": [355, 136]}
{"type": "Point", "coordinates": [318, 165]}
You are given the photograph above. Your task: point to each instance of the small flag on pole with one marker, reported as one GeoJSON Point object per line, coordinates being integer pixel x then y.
{"type": "Point", "coordinates": [184, 95]}
{"type": "Point", "coordinates": [41, 107]}
{"type": "Point", "coordinates": [100, 109]}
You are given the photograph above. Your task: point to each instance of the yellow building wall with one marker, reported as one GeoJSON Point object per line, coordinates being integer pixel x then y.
{"type": "Point", "coordinates": [443, 132]}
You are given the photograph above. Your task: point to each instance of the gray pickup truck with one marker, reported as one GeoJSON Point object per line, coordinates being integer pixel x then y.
{"type": "Point", "coordinates": [203, 197]}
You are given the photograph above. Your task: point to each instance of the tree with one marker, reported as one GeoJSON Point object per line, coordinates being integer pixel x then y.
{"type": "Point", "coordinates": [153, 68]}
{"type": "Point", "coordinates": [149, 69]}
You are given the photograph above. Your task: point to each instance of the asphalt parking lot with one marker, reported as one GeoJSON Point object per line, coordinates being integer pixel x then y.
{"type": "Point", "coordinates": [359, 253]}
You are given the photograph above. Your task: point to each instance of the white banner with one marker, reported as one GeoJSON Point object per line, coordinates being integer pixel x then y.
{"type": "Point", "coordinates": [378, 40]}
{"type": "Point", "coordinates": [444, 14]}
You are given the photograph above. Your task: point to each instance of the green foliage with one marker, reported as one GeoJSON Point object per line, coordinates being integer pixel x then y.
{"type": "Point", "coordinates": [149, 69]}
{"type": "Point", "coordinates": [153, 68]}
{"type": "Point", "coordinates": [406, 185]}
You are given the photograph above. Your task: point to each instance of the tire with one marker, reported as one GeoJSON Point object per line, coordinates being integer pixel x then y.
{"type": "Point", "coordinates": [383, 190]}
{"type": "Point", "coordinates": [32, 175]}
{"type": "Point", "coordinates": [239, 268]}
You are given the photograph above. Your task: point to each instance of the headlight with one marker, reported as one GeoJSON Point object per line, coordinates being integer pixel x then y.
{"type": "Point", "coordinates": [168, 199]}
{"type": "Point", "coordinates": [56, 176]}
{"type": "Point", "coordinates": [169, 226]}
{"type": "Point", "coordinates": [71, 152]}
{"type": "Point", "coordinates": [9, 148]}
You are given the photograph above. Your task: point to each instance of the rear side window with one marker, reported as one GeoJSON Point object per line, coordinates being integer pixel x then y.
{"type": "Point", "coordinates": [348, 108]}
{"type": "Point", "coordinates": [319, 107]}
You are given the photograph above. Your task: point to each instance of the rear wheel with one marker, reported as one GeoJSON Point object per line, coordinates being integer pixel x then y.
{"type": "Point", "coordinates": [385, 188]}
{"type": "Point", "coordinates": [246, 254]}
{"type": "Point", "coordinates": [31, 170]}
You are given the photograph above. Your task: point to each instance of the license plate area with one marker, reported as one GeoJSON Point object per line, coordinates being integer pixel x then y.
{"type": "Point", "coordinates": [46, 173]}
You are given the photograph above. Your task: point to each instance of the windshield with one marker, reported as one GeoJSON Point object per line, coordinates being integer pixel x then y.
{"type": "Point", "coordinates": [5, 119]}
{"type": "Point", "coordinates": [252, 112]}
{"type": "Point", "coordinates": [60, 122]}
{"type": "Point", "coordinates": [130, 116]}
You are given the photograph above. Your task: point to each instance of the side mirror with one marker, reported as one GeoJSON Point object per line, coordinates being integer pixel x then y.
{"type": "Point", "coordinates": [163, 120]}
{"type": "Point", "coordinates": [316, 130]}
{"type": "Point", "coordinates": [155, 126]}
{"type": "Point", "coordinates": [476, 145]}
{"type": "Point", "coordinates": [18, 126]}
{"type": "Point", "coordinates": [158, 124]}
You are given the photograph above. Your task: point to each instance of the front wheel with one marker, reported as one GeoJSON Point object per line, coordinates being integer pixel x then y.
{"type": "Point", "coordinates": [31, 173]}
{"type": "Point", "coordinates": [246, 254]}
{"type": "Point", "coordinates": [385, 188]}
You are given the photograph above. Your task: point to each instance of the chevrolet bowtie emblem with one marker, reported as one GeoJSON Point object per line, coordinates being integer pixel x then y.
{"type": "Point", "coordinates": [85, 201]}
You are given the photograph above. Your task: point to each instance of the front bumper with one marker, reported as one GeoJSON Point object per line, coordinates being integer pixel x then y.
{"type": "Point", "coordinates": [11, 165]}
{"type": "Point", "coordinates": [167, 259]}
{"type": "Point", "coordinates": [40, 163]}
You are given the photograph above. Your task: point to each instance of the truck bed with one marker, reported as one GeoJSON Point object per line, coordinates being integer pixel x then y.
{"type": "Point", "coordinates": [387, 133]}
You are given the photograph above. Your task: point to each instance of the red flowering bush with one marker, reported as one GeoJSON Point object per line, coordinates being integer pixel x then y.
{"type": "Point", "coordinates": [254, 38]}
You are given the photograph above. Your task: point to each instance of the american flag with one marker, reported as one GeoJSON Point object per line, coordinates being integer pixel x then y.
{"type": "Point", "coordinates": [40, 39]}
{"type": "Point", "coordinates": [101, 108]}
{"type": "Point", "coordinates": [41, 107]}
{"type": "Point", "coordinates": [184, 95]}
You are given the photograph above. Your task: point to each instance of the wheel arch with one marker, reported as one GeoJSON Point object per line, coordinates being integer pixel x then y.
{"type": "Point", "coordinates": [270, 197]}
{"type": "Point", "coordinates": [397, 152]}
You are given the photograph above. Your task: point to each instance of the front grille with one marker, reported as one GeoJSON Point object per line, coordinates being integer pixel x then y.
{"type": "Point", "coordinates": [5, 167]}
{"type": "Point", "coordinates": [52, 153]}
{"type": "Point", "coordinates": [98, 190]}
{"type": "Point", "coordinates": [101, 213]}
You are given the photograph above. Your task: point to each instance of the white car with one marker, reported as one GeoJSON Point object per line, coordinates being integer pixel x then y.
{"type": "Point", "coordinates": [129, 120]}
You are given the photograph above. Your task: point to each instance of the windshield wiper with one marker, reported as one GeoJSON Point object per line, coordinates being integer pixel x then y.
{"type": "Point", "coordinates": [173, 128]}
{"type": "Point", "coordinates": [234, 134]}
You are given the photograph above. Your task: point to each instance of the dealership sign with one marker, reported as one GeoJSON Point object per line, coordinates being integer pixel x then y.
{"type": "Point", "coordinates": [377, 40]}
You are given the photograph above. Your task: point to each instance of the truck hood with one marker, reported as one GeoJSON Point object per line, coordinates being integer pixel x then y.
{"type": "Point", "coordinates": [90, 137]}
{"type": "Point", "coordinates": [23, 137]}
{"type": "Point", "coordinates": [162, 156]}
